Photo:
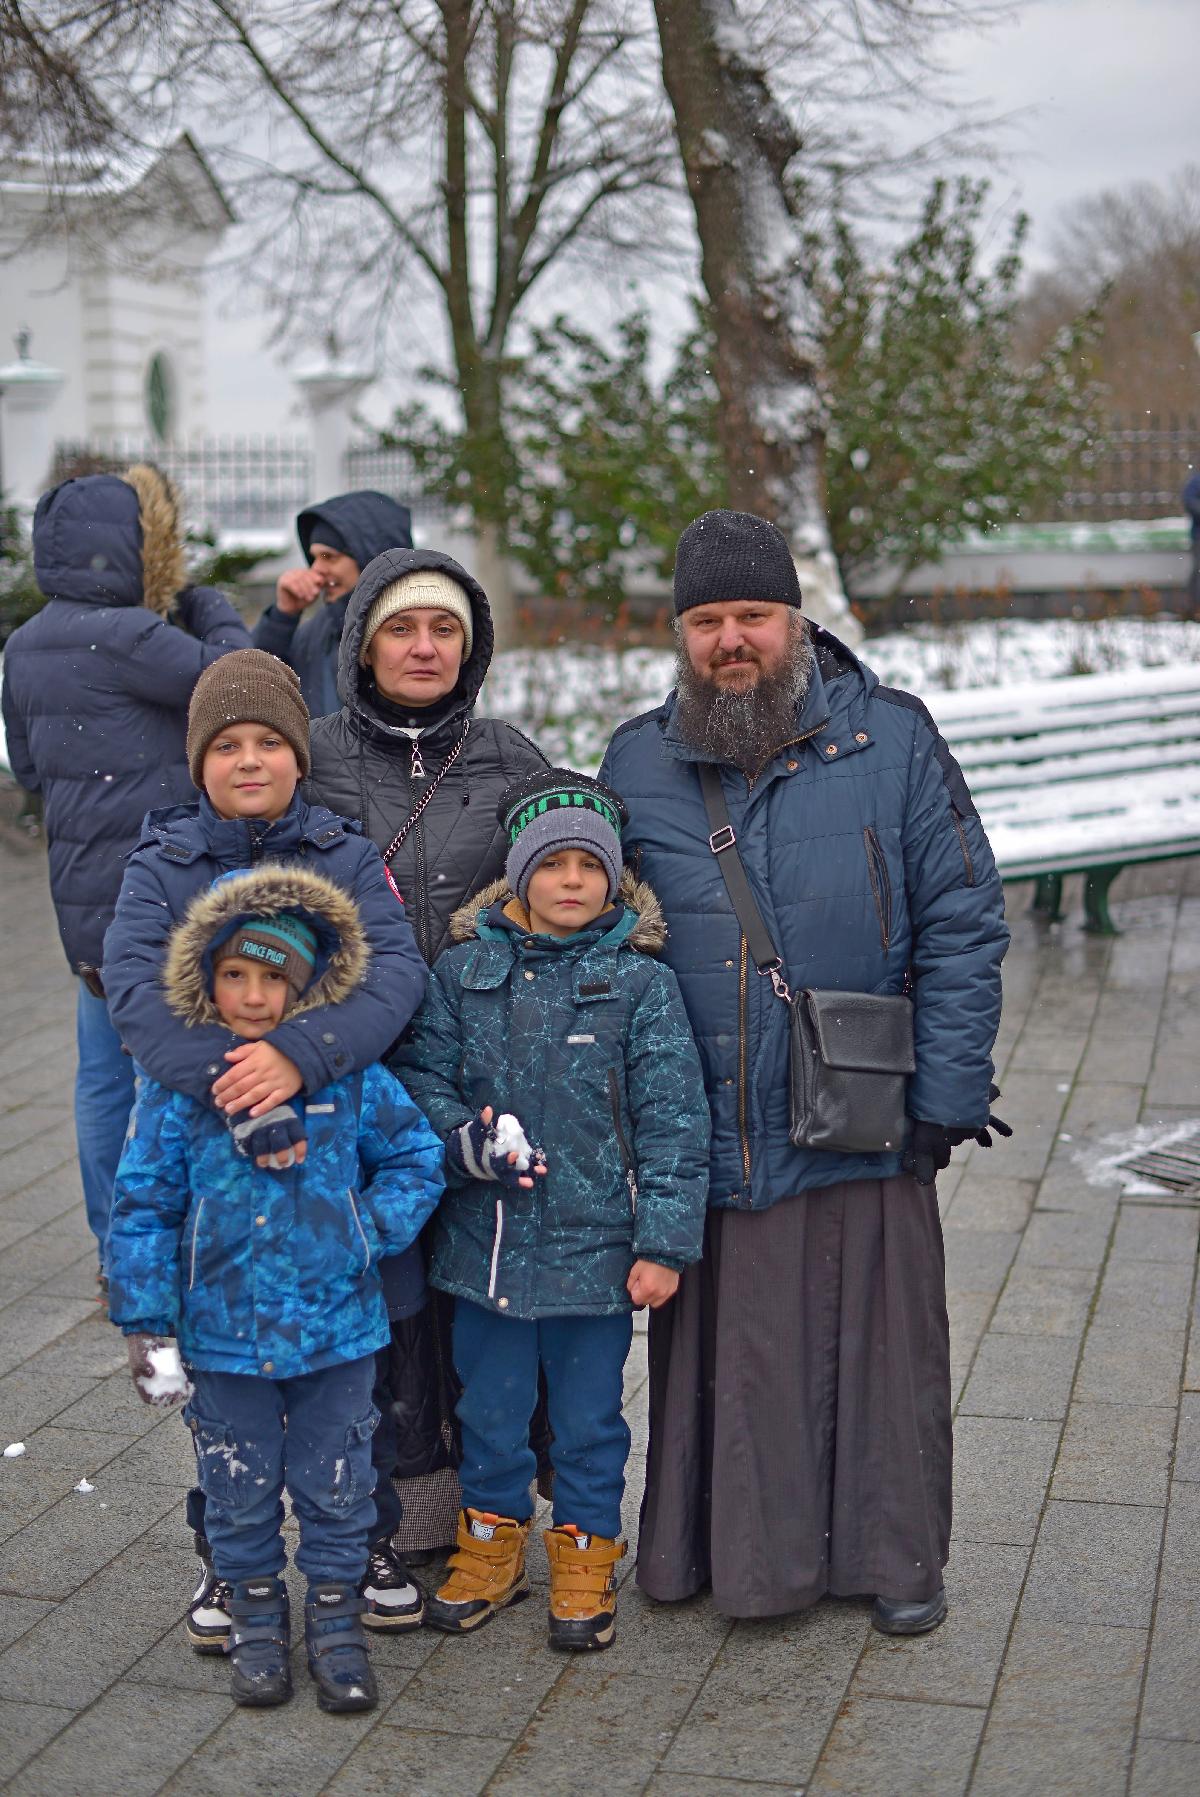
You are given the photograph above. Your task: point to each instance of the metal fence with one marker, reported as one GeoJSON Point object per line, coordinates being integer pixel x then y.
{"type": "Point", "coordinates": [250, 483]}
{"type": "Point", "coordinates": [1137, 470]}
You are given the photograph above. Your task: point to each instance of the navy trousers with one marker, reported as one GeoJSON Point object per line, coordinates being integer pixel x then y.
{"type": "Point", "coordinates": [583, 1358]}
{"type": "Point", "coordinates": [311, 1436]}
{"type": "Point", "coordinates": [103, 1100]}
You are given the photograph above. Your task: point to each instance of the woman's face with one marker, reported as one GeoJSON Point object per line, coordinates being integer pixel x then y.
{"type": "Point", "coordinates": [416, 656]}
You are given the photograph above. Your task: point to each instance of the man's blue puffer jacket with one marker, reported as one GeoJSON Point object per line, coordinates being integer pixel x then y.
{"type": "Point", "coordinates": [867, 859]}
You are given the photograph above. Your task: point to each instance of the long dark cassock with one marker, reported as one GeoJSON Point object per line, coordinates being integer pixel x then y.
{"type": "Point", "coordinates": [800, 1435]}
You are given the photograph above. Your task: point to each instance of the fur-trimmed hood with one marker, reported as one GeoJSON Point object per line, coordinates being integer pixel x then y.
{"type": "Point", "coordinates": [648, 934]}
{"type": "Point", "coordinates": [213, 916]}
{"type": "Point", "coordinates": [164, 571]}
{"type": "Point", "coordinates": [108, 539]}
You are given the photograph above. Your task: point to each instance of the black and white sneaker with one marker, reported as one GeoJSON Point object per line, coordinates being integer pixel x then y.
{"type": "Point", "coordinates": [207, 1625]}
{"type": "Point", "coordinates": [393, 1597]}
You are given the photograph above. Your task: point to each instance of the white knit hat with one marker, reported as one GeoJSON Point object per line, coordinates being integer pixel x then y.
{"type": "Point", "coordinates": [423, 587]}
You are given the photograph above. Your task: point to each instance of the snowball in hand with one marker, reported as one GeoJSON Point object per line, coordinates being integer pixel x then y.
{"type": "Point", "coordinates": [511, 1139]}
{"type": "Point", "coordinates": [168, 1383]}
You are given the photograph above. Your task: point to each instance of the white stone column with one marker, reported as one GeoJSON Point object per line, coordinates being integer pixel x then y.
{"type": "Point", "coordinates": [330, 389]}
{"type": "Point", "coordinates": [28, 390]}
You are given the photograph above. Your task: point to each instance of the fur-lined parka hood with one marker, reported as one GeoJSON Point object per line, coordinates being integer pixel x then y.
{"type": "Point", "coordinates": [213, 916]}
{"type": "Point", "coordinates": [107, 539]}
{"type": "Point", "coordinates": [648, 934]}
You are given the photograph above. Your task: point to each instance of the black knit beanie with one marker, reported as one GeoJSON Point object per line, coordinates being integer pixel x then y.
{"type": "Point", "coordinates": [725, 556]}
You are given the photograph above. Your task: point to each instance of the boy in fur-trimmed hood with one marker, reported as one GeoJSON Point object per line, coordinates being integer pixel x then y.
{"type": "Point", "coordinates": [551, 1023]}
{"type": "Point", "coordinates": [268, 1278]}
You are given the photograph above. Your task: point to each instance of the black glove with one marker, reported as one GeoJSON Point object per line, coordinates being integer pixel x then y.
{"type": "Point", "coordinates": [276, 1133]}
{"type": "Point", "coordinates": [471, 1149]}
{"type": "Point", "coordinates": [161, 1385]}
{"type": "Point", "coordinates": [929, 1146]}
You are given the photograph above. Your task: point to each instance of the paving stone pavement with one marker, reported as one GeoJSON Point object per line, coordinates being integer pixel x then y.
{"type": "Point", "coordinates": [1071, 1658]}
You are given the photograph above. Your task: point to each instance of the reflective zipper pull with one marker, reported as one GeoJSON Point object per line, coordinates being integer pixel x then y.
{"type": "Point", "coordinates": [631, 1182]}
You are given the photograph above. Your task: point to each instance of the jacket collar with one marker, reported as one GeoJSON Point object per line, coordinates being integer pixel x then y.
{"type": "Point", "coordinates": [185, 832]}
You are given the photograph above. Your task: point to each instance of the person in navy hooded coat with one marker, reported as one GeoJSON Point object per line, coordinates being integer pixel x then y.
{"type": "Point", "coordinates": [339, 537]}
{"type": "Point", "coordinates": [96, 691]}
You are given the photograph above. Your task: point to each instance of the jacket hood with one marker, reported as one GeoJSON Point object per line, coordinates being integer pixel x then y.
{"type": "Point", "coordinates": [380, 573]}
{"type": "Point", "coordinates": [111, 540]}
{"type": "Point", "coordinates": [366, 522]}
{"type": "Point", "coordinates": [213, 916]}
{"type": "Point", "coordinates": [648, 934]}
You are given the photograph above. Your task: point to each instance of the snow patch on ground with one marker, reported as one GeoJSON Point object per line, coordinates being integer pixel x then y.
{"type": "Point", "coordinates": [85, 1486]}
{"type": "Point", "coordinates": [1100, 1161]}
{"type": "Point", "coordinates": [14, 1450]}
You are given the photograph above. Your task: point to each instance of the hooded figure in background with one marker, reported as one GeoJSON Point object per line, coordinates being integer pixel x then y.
{"type": "Point", "coordinates": [339, 537]}
{"type": "Point", "coordinates": [409, 759]}
{"type": "Point", "coordinates": [96, 691]}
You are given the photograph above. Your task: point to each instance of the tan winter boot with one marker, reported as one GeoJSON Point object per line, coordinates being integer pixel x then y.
{"type": "Point", "coordinates": [487, 1572]}
{"type": "Point", "coordinates": [583, 1588]}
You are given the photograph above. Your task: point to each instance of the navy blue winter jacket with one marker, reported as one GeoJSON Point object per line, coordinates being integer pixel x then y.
{"type": "Point", "coordinates": [367, 523]}
{"type": "Point", "coordinates": [866, 857]}
{"type": "Point", "coordinates": [96, 685]}
{"type": "Point", "coordinates": [182, 851]}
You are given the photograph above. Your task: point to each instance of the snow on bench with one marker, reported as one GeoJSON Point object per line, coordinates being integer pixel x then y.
{"type": "Point", "coordinates": [1082, 775]}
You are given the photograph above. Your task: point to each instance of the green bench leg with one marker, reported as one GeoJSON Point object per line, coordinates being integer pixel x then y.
{"type": "Point", "coordinates": [1096, 920]}
{"type": "Point", "coordinates": [1047, 897]}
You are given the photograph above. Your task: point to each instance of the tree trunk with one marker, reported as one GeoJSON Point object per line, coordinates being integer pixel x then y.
{"type": "Point", "coordinates": [736, 143]}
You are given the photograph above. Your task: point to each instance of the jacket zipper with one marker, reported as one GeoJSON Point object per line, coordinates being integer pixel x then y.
{"type": "Point", "coordinates": [496, 1241]}
{"type": "Point", "coordinates": [195, 1237]}
{"type": "Point", "coordinates": [361, 1231]}
{"type": "Point", "coordinates": [622, 1144]}
{"type": "Point", "coordinates": [742, 1131]}
{"type": "Point", "coordinates": [791, 743]}
{"type": "Point", "coordinates": [962, 843]}
{"type": "Point", "coordinates": [881, 885]}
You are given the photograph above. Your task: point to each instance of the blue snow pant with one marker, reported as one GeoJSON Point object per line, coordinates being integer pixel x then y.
{"type": "Point", "coordinates": [311, 1436]}
{"type": "Point", "coordinates": [583, 1358]}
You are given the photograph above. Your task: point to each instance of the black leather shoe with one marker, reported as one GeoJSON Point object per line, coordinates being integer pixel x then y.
{"type": "Point", "coordinates": [901, 1616]}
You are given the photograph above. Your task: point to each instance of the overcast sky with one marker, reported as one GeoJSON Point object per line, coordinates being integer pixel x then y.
{"type": "Point", "coordinates": [1108, 90]}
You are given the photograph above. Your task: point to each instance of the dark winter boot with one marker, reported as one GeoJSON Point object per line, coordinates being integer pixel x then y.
{"type": "Point", "coordinates": [583, 1588]}
{"type": "Point", "coordinates": [259, 1636]}
{"type": "Point", "coordinates": [906, 1616]}
{"type": "Point", "coordinates": [207, 1625]}
{"type": "Point", "coordinates": [337, 1648]}
{"type": "Point", "coordinates": [392, 1595]}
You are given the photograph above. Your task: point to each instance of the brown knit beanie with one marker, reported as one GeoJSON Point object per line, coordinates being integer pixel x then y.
{"type": "Point", "coordinates": [247, 686]}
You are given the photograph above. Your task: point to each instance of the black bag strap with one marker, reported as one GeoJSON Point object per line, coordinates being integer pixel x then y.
{"type": "Point", "coordinates": [723, 843]}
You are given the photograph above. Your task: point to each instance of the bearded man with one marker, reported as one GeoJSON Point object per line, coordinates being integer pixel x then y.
{"type": "Point", "coordinates": [800, 1435]}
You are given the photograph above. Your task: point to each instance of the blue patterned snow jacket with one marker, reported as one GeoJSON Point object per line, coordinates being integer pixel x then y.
{"type": "Point", "coordinates": [586, 1041]}
{"type": "Point", "coordinates": [867, 857]}
{"type": "Point", "coordinates": [182, 850]}
{"type": "Point", "coordinates": [273, 1274]}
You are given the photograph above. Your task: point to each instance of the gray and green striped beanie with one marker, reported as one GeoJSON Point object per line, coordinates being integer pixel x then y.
{"type": "Point", "coordinates": [561, 809]}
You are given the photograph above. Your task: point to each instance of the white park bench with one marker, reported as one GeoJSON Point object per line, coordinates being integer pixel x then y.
{"type": "Point", "coordinates": [1085, 774]}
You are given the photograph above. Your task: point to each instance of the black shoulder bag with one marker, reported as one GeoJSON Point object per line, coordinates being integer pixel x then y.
{"type": "Point", "coordinates": [851, 1052]}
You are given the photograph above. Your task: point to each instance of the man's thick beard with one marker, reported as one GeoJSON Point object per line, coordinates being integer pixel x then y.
{"type": "Point", "coordinates": [745, 729]}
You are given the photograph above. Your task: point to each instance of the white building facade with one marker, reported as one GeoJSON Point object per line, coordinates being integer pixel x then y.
{"type": "Point", "coordinates": [106, 277]}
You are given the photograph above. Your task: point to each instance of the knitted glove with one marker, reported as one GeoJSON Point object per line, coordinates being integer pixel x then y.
{"type": "Point", "coordinates": [158, 1374]}
{"type": "Point", "coordinates": [276, 1133]}
{"type": "Point", "coordinates": [473, 1149]}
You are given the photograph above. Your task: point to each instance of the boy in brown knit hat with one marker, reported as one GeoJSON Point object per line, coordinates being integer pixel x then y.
{"type": "Point", "coordinates": [247, 746]}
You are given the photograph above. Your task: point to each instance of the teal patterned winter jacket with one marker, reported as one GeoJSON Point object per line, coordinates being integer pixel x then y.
{"type": "Point", "coordinates": [268, 1273]}
{"type": "Point", "coordinates": [587, 1042]}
